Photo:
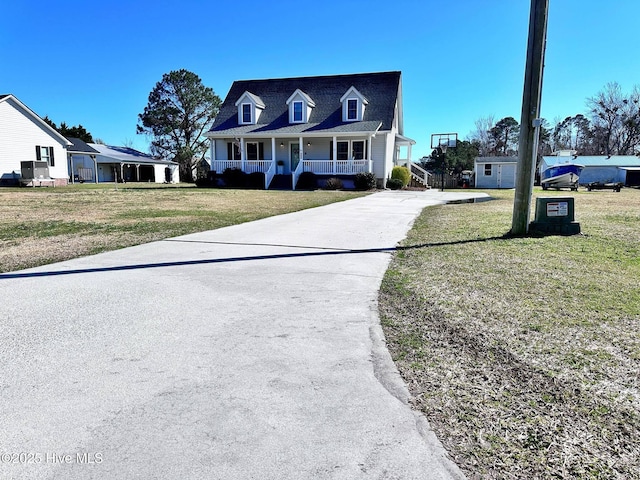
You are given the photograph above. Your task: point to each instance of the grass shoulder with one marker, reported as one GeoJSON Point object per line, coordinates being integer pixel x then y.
{"type": "Point", "coordinates": [523, 353]}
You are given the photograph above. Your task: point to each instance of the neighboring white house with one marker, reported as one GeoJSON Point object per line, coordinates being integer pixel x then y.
{"type": "Point", "coordinates": [331, 125]}
{"type": "Point", "coordinates": [123, 163]}
{"type": "Point", "coordinates": [495, 172]}
{"type": "Point", "coordinates": [25, 137]}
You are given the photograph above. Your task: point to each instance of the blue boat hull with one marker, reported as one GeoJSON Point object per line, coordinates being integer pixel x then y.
{"type": "Point", "coordinates": [561, 175]}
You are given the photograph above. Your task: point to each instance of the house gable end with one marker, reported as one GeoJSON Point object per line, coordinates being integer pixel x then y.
{"type": "Point", "coordinates": [31, 115]}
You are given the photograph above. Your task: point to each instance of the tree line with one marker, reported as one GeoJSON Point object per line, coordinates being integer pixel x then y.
{"type": "Point", "coordinates": [611, 127]}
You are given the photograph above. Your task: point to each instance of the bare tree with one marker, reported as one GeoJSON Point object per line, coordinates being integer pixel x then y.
{"type": "Point", "coordinates": [616, 120]}
{"type": "Point", "coordinates": [480, 136]}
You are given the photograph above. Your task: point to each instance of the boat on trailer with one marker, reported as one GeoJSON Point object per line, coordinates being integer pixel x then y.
{"type": "Point", "coordinates": [561, 175]}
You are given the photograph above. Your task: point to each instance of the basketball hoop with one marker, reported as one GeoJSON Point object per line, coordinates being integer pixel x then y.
{"type": "Point", "coordinates": [444, 141]}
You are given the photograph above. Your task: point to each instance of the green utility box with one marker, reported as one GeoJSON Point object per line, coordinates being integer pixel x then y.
{"type": "Point", "coordinates": [555, 216]}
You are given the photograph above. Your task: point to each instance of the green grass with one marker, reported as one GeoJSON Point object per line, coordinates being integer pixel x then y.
{"type": "Point", "coordinates": [523, 353]}
{"type": "Point", "coordinates": [43, 225]}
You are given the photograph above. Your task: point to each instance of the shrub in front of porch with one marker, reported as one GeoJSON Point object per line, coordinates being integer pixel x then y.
{"type": "Point", "coordinates": [401, 173]}
{"type": "Point", "coordinates": [234, 178]}
{"type": "Point", "coordinates": [364, 181]}
{"type": "Point", "coordinates": [255, 181]}
{"type": "Point", "coordinates": [307, 181]}
{"type": "Point", "coordinates": [333, 183]}
{"type": "Point", "coordinates": [394, 184]}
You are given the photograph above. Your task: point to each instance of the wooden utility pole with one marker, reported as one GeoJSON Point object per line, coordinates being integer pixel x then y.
{"type": "Point", "coordinates": [529, 120]}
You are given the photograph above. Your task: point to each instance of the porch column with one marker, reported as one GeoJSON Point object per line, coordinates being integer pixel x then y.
{"type": "Point", "coordinates": [242, 154]}
{"type": "Point", "coordinates": [335, 154]}
{"type": "Point", "coordinates": [71, 164]}
{"type": "Point", "coordinates": [301, 143]}
{"type": "Point", "coordinates": [369, 154]}
{"type": "Point", "coordinates": [409, 154]}
{"type": "Point", "coordinates": [137, 172]}
{"type": "Point", "coordinates": [213, 151]}
{"type": "Point", "coordinates": [273, 150]}
{"type": "Point", "coordinates": [122, 172]}
{"type": "Point", "coordinates": [95, 168]}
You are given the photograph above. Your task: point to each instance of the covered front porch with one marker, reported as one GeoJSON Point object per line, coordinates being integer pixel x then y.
{"type": "Point", "coordinates": [328, 156]}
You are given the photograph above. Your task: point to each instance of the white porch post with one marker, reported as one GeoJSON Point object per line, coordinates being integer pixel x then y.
{"type": "Point", "coordinates": [71, 164]}
{"type": "Point", "coordinates": [213, 151]}
{"type": "Point", "coordinates": [301, 143]}
{"type": "Point", "coordinates": [335, 154]}
{"type": "Point", "coordinates": [95, 168]}
{"type": "Point", "coordinates": [273, 150]}
{"type": "Point", "coordinates": [369, 167]}
{"type": "Point", "coordinates": [242, 154]}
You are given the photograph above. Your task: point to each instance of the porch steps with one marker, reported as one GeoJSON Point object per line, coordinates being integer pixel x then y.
{"type": "Point", "coordinates": [419, 174]}
{"type": "Point", "coordinates": [280, 182]}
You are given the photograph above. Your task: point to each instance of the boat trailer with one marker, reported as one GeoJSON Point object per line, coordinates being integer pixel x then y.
{"type": "Point", "coordinates": [615, 186]}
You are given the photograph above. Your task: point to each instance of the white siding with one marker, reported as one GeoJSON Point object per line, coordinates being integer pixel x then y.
{"type": "Point", "coordinates": [378, 151]}
{"type": "Point", "coordinates": [503, 175]}
{"type": "Point", "coordinates": [19, 135]}
{"type": "Point", "coordinates": [160, 175]}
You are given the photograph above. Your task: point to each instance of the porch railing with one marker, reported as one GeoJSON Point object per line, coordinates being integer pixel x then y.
{"type": "Point", "coordinates": [419, 173]}
{"type": "Point", "coordinates": [336, 167]}
{"type": "Point", "coordinates": [269, 174]}
{"type": "Point", "coordinates": [295, 175]}
{"type": "Point", "coordinates": [250, 166]}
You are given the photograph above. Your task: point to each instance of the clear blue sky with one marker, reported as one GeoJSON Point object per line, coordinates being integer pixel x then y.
{"type": "Point", "coordinates": [94, 63]}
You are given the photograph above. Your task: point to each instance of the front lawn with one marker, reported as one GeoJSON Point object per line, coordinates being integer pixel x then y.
{"type": "Point", "coordinates": [45, 225]}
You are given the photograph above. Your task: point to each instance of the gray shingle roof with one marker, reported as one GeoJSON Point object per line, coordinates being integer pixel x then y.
{"type": "Point", "coordinates": [380, 89]}
{"type": "Point", "coordinates": [79, 146]}
{"type": "Point", "coordinates": [496, 159]}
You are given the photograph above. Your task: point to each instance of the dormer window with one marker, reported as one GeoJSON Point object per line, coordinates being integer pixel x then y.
{"type": "Point", "coordinates": [297, 112]}
{"type": "Point", "coordinates": [250, 107]}
{"type": "Point", "coordinates": [300, 106]}
{"type": "Point", "coordinates": [246, 113]}
{"type": "Point", "coordinates": [352, 109]}
{"type": "Point", "coordinates": [353, 105]}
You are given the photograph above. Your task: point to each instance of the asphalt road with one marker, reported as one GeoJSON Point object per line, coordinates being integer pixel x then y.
{"type": "Point", "coordinates": [249, 352]}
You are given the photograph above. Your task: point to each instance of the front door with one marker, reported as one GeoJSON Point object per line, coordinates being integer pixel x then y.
{"type": "Point", "coordinates": [295, 155]}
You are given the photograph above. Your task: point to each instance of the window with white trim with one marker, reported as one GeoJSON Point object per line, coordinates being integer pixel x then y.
{"type": "Point", "coordinates": [357, 150]}
{"type": "Point", "coordinates": [246, 113]}
{"type": "Point", "coordinates": [297, 112]}
{"type": "Point", "coordinates": [352, 109]}
{"type": "Point", "coordinates": [255, 150]}
{"type": "Point", "coordinates": [45, 154]}
{"type": "Point", "coordinates": [233, 151]}
{"type": "Point", "coordinates": [487, 170]}
{"type": "Point", "coordinates": [345, 150]}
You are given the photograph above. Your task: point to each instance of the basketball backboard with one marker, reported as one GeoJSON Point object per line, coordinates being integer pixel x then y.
{"type": "Point", "coordinates": [444, 140]}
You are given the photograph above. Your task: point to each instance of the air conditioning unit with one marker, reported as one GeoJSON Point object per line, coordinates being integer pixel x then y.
{"type": "Point", "coordinates": [33, 170]}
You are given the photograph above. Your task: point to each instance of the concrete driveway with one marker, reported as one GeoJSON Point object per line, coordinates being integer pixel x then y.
{"type": "Point", "coordinates": [249, 352]}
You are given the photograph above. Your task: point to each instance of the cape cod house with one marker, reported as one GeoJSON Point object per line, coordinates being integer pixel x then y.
{"type": "Point", "coordinates": [27, 139]}
{"type": "Point", "coordinates": [330, 125]}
